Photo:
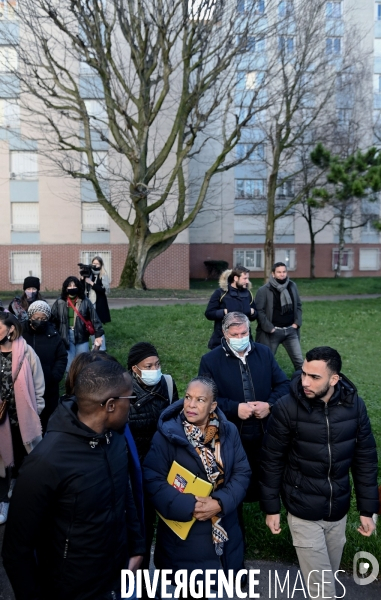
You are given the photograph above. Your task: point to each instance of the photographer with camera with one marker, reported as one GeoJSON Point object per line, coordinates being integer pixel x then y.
{"type": "Point", "coordinates": [97, 286]}
{"type": "Point", "coordinates": [77, 319]}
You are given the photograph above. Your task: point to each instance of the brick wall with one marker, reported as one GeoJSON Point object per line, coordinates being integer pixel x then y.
{"type": "Point", "coordinates": [323, 259]}
{"type": "Point", "coordinates": [170, 270]}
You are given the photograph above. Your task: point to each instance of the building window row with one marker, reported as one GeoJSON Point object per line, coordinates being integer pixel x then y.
{"type": "Point", "coordinates": [254, 259]}
{"type": "Point", "coordinates": [7, 10]}
{"type": "Point", "coordinates": [24, 264]}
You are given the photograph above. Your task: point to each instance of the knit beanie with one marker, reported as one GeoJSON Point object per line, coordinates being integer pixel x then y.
{"type": "Point", "coordinates": [139, 352]}
{"type": "Point", "coordinates": [31, 282]}
{"type": "Point", "coordinates": [39, 306]}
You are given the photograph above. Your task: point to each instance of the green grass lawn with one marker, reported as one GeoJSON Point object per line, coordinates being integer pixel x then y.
{"type": "Point", "coordinates": [181, 333]}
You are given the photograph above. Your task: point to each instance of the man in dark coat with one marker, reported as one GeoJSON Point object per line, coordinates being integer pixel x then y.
{"type": "Point", "coordinates": [280, 314]}
{"type": "Point", "coordinates": [249, 382]}
{"type": "Point", "coordinates": [72, 522]}
{"type": "Point", "coordinates": [233, 294]}
{"type": "Point", "coordinates": [316, 434]}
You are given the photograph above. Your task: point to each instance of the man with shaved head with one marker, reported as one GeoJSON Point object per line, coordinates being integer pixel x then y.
{"type": "Point", "coordinates": [72, 522]}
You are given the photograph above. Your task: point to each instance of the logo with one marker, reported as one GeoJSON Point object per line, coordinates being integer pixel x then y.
{"type": "Point", "coordinates": [365, 568]}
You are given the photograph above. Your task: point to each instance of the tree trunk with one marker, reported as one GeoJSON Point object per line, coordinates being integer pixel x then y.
{"type": "Point", "coordinates": [270, 221]}
{"type": "Point", "coordinates": [341, 244]}
{"type": "Point", "coordinates": [132, 275]}
{"type": "Point", "coordinates": [312, 243]}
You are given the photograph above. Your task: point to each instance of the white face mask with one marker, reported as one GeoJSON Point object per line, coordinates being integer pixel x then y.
{"type": "Point", "coordinates": [239, 344]}
{"type": "Point", "coordinates": [150, 376]}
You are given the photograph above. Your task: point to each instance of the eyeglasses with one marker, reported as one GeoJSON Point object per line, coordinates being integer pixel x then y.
{"type": "Point", "coordinates": [117, 398]}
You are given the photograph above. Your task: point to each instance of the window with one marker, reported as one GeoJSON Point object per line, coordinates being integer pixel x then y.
{"type": "Point", "coordinates": [346, 260]}
{"type": "Point", "coordinates": [369, 259]}
{"type": "Point", "coordinates": [251, 259]}
{"type": "Point", "coordinates": [243, 113]}
{"type": "Point", "coordinates": [249, 80]}
{"type": "Point", "coordinates": [248, 5]}
{"type": "Point", "coordinates": [87, 256]}
{"type": "Point", "coordinates": [25, 216]}
{"type": "Point", "coordinates": [286, 188]}
{"type": "Point", "coordinates": [258, 152]}
{"type": "Point", "coordinates": [24, 264]}
{"type": "Point", "coordinates": [344, 116]}
{"type": "Point", "coordinates": [286, 256]}
{"type": "Point", "coordinates": [7, 9]}
{"type": "Point", "coordinates": [286, 44]}
{"type": "Point", "coordinates": [96, 109]}
{"type": "Point", "coordinates": [333, 45]}
{"type": "Point", "coordinates": [9, 113]}
{"type": "Point", "coordinates": [101, 164]}
{"type": "Point", "coordinates": [250, 188]}
{"type": "Point", "coordinates": [94, 217]}
{"type": "Point", "coordinates": [24, 165]}
{"type": "Point", "coordinates": [285, 8]}
{"type": "Point", "coordinates": [378, 12]}
{"type": "Point", "coordinates": [251, 44]}
{"type": "Point", "coordinates": [8, 59]}
{"type": "Point", "coordinates": [333, 10]}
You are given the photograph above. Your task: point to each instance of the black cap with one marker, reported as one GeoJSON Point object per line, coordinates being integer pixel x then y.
{"type": "Point", "coordinates": [31, 282]}
{"type": "Point", "coordinates": [139, 352]}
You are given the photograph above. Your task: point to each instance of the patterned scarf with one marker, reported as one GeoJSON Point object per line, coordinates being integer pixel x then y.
{"type": "Point", "coordinates": [208, 447]}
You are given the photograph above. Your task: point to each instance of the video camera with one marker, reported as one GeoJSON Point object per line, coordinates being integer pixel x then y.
{"type": "Point", "coordinates": [85, 270]}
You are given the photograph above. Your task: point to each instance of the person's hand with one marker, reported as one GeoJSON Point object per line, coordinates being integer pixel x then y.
{"type": "Point", "coordinates": [98, 342]}
{"type": "Point", "coordinates": [273, 523]}
{"type": "Point", "coordinates": [261, 409]}
{"type": "Point", "coordinates": [294, 325]}
{"type": "Point", "coordinates": [272, 331]}
{"type": "Point", "coordinates": [134, 563]}
{"type": "Point", "coordinates": [205, 508]}
{"type": "Point", "coordinates": [252, 311]}
{"type": "Point", "coordinates": [245, 410]}
{"type": "Point", "coordinates": [367, 526]}
{"type": "Point", "coordinates": [225, 311]}
{"type": "Point", "coordinates": [89, 281]}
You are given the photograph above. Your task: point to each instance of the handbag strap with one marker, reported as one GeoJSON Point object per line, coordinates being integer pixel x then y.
{"type": "Point", "coordinates": [76, 311]}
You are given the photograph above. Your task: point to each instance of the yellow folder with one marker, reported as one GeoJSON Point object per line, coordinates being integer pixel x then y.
{"type": "Point", "coordinates": [185, 481]}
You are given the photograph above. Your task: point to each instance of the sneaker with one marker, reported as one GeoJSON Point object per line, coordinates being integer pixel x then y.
{"type": "Point", "coordinates": [4, 506]}
{"type": "Point", "coordinates": [13, 481]}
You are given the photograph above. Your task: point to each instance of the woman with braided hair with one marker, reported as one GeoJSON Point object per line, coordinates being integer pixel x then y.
{"type": "Point", "coordinates": [195, 433]}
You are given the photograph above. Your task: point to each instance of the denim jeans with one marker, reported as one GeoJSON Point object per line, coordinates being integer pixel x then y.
{"type": "Point", "coordinates": [290, 340]}
{"type": "Point", "coordinates": [75, 349]}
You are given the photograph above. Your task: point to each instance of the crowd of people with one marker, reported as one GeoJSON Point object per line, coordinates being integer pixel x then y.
{"type": "Point", "coordinates": [88, 472]}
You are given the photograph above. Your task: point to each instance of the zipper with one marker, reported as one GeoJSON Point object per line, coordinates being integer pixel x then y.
{"type": "Point", "coordinates": [66, 547]}
{"type": "Point", "coordinates": [330, 457]}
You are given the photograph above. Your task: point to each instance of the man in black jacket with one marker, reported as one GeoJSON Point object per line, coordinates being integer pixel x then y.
{"type": "Point", "coordinates": [280, 314]}
{"type": "Point", "coordinates": [233, 294]}
{"type": "Point", "coordinates": [315, 435]}
{"type": "Point", "coordinates": [249, 382]}
{"type": "Point", "coordinates": [72, 523]}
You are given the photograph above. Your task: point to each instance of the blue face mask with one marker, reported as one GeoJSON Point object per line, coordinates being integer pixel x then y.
{"type": "Point", "coordinates": [239, 344]}
{"type": "Point", "coordinates": [150, 376]}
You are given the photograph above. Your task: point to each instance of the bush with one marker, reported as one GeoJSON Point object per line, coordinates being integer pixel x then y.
{"type": "Point", "coordinates": [215, 268]}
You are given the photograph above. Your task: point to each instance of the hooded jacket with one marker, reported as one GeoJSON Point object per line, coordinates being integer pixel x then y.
{"type": "Point", "coordinates": [72, 504]}
{"type": "Point", "coordinates": [87, 310]}
{"type": "Point", "coordinates": [308, 450]}
{"type": "Point", "coordinates": [197, 551]}
{"type": "Point", "coordinates": [233, 299]}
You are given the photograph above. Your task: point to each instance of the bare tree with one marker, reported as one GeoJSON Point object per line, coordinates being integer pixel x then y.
{"type": "Point", "coordinates": [305, 67]}
{"type": "Point", "coordinates": [125, 93]}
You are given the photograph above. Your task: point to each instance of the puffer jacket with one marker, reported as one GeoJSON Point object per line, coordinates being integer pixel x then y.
{"type": "Point", "coordinates": [308, 450]}
{"type": "Point", "coordinates": [232, 299]}
{"type": "Point", "coordinates": [72, 504]}
{"type": "Point", "coordinates": [145, 411]}
{"type": "Point", "coordinates": [197, 551]}
{"type": "Point", "coordinates": [87, 310]}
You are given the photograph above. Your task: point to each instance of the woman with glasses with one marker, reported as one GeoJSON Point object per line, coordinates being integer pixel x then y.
{"type": "Point", "coordinates": [41, 335]}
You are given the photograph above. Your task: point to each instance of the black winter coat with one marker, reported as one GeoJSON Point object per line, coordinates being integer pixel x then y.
{"type": "Point", "coordinates": [232, 299]}
{"type": "Point", "coordinates": [267, 382]}
{"type": "Point", "coordinates": [101, 304]}
{"type": "Point", "coordinates": [146, 410]}
{"type": "Point", "coordinates": [52, 353]}
{"type": "Point", "coordinates": [87, 310]}
{"type": "Point", "coordinates": [197, 551]}
{"type": "Point", "coordinates": [308, 450]}
{"type": "Point", "coordinates": [70, 504]}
